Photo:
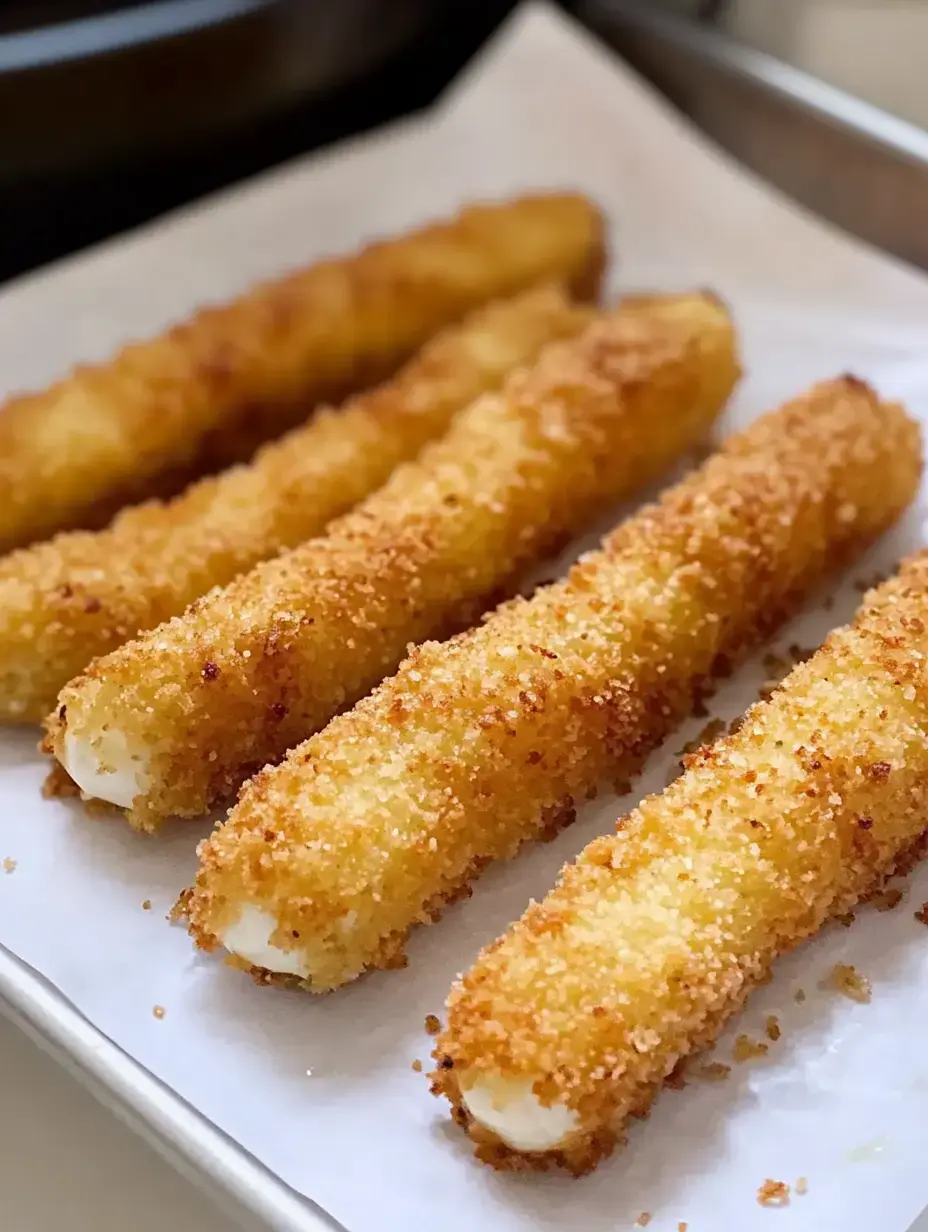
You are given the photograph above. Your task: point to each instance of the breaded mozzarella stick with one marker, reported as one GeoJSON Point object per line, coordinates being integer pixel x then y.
{"type": "Point", "coordinates": [207, 392]}
{"type": "Point", "coordinates": [655, 936]}
{"type": "Point", "coordinates": [174, 722]}
{"type": "Point", "coordinates": [483, 743]}
{"type": "Point", "coordinates": [80, 595]}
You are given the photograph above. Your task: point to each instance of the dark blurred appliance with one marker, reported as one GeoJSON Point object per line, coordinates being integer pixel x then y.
{"type": "Point", "coordinates": [112, 112]}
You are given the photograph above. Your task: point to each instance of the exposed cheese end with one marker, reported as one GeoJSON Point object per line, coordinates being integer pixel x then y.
{"type": "Point", "coordinates": [509, 1109]}
{"type": "Point", "coordinates": [249, 938]}
{"type": "Point", "coordinates": [103, 768]}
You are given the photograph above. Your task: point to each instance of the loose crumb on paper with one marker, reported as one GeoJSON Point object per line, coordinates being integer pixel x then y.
{"type": "Point", "coordinates": [801, 1187]}
{"type": "Point", "coordinates": [773, 1193]}
{"type": "Point", "coordinates": [849, 982]}
{"type": "Point", "coordinates": [159, 1011]}
{"type": "Point", "coordinates": [887, 900]}
{"type": "Point", "coordinates": [682, 1226]}
{"type": "Point", "coordinates": [922, 914]}
{"type": "Point", "coordinates": [9, 865]}
{"type": "Point", "coordinates": [643, 1219]}
{"type": "Point", "coordinates": [712, 1071]}
{"type": "Point", "coordinates": [432, 1024]}
{"type": "Point", "coordinates": [417, 1065]}
{"type": "Point", "coordinates": [146, 905]}
{"type": "Point", "coordinates": [799, 996]}
{"type": "Point", "coordinates": [746, 1049]}
{"type": "Point", "coordinates": [772, 1028]}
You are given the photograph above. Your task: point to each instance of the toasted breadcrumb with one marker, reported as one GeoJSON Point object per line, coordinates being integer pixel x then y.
{"type": "Point", "coordinates": [207, 391]}
{"type": "Point", "coordinates": [432, 1024]}
{"type": "Point", "coordinates": [681, 1226]}
{"type": "Point", "coordinates": [772, 1028]}
{"type": "Point", "coordinates": [159, 1011]}
{"type": "Point", "coordinates": [922, 914]}
{"type": "Point", "coordinates": [302, 636]}
{"type": "Point", "coordinates": [80, 595]}
{"type": "Point", "coordinates": [9, 865]}
{"type": "Point", "coordinates": [801, 1187]}
{"type": "Point", "coordinates": [799, 996]}
{"type": "Point", "coordinates": [845, 738]}
{"type": "Point", "coordinates": [773, 1193]}
{"type": "Point", "coordinates": [146, 905]}
{"type": "Point", "coordinates": [643, 1219]}
{"type": "Point", "coordinates": [487, 741]}
{"type": "Point", "coordinates": [849, 982]}
{"type": "Point", "coordinates": [417, 1066]}
{"type": "Point", "coordinates": [746, 1049]}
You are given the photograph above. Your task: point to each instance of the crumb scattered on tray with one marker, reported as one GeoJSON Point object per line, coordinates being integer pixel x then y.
{"type": "Point", "coordinates": [432, 1024]}
{"type": "Point", "coordinates": [799, 996]}
{"type": "Point", "coordinates": [417, 1066]}
{"type": "Point", "coordinates": [849, 982]}
{"type": "Point", "coordinates": [845, 920]}
{"type": "Point", "coordinates": [643, 1219]}
{"type": "Point", "coordinates": [772, 1028]}
{"type": "Point", "coordinates": [9, 865]}
{"type": "Point", "coordinates": [922, 914]}
{"type": "Point", "coordinates": [682, 1226]}
{"type": "Point", "coordinates": [158, 1011]}
{"type": "Point", "coordinates": [887, 900]}
{"type": "Point", "coordinates": [773, 1193]}
{"type": "Point", "coordinates": [802, 1186]}
{"type": "Point", "coordinates": [735, 725]}
{"type": "Point", "coordinates": [146, 905]}
{"type": "Point", "coordinates": [712, 1071]}
{"type": "Point", "coordinates": [746, 1049]}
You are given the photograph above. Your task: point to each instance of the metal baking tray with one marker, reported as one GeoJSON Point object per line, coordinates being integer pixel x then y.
{"type": "Point", "coordinates": [858, 166]}
{"type": "Point", "coordinates": [246, 1193]}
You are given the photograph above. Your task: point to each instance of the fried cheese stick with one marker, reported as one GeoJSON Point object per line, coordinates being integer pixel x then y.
{"type": "Point", "coordinates": [174, 722]}
{"type": "Point", "coordinates": [80, 595]}
{"type": "Point", "coordinates": [655, 936]}
{"type": "Point", "coordinates": [490, 740]}
{"type": "Point", "coordinates": [208, 391]}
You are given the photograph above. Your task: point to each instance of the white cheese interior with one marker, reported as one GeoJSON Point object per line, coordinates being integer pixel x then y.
{"type": "Point", "coordinates": [510, 1110]}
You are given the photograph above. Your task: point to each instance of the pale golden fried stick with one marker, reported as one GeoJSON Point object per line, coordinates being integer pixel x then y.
{"type": "Point", "coordinates": [483, 743]}
{"type": "Point", "coordinates": [655, 936]}
{"type": "Point", "coordinates": [80, 595]}
{"type": "Point", "coordinates": [175, 721]}
{"type": "Point", "coordinates": [208, 391]}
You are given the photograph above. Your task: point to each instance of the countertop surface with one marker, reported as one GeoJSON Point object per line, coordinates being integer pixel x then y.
{"type": "Point", "coordinates": [68, 1165]}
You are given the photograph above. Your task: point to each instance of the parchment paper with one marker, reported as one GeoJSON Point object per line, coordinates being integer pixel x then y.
{"type": "Point", "coordinates": [322, 1090]}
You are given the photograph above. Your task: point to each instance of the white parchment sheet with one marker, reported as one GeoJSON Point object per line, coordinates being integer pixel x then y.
{"type": "Point", "coordinates": [322, 1090]}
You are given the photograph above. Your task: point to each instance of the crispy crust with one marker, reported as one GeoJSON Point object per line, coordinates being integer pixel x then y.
{"type": "Point", "coordinates": [249, 672]}
{"type": "Point", "coordinates": [652, 940]}
{"type": "Point", "coordinates": [207, 392]}
{"type": "Point", "coordinates": [488, 741]}
{"type": "Point", "coordinates": [80, 595]}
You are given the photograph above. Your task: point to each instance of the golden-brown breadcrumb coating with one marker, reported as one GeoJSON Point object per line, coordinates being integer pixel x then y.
{"type": "Point", "coordinates": [82, 594]}
{"type": "Point", "coordinates": [490, 740]}
{"type": "Point", "coordinates": [208, 699]}
{"type": "Point", "coordinates": [208, 391]}
{"type": "Point", "coordinates": [654, 937]}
